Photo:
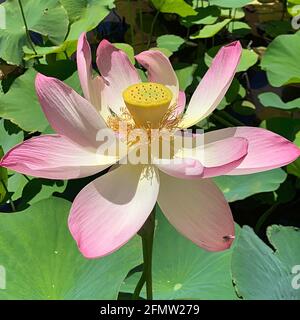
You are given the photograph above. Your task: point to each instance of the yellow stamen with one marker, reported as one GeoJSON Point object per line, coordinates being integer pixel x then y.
{"type": "Point", "coordinates": [148, 103]}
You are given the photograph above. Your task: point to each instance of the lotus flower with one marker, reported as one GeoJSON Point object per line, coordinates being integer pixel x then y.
{"type": "Point", "coordinates": [111, 210]}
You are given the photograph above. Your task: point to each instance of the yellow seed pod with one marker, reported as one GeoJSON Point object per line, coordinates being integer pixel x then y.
{"type": "Point", "coordinates": [148, 102]}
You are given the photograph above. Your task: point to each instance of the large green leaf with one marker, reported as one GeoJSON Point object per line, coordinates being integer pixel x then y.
{"type": "Point", "coordinates": [26, 190]}
{"type": "Point", "coordinates": [207, 15]}
{"type": "Point", "coordinates": [16, 184]}
{"type": "Point", "coordinates": [185, 75]}
{"type": "Point", "coordinates": [43, 262]}
{"type": "Point", "coordinates": [282, 60]}
{"type": "Point", "coordinates": [85, 15]}
{"type": "Point", "coordinates": [240, 187]}
{"type": "Point", "coordinates": [271, 99]}
{"type": "Point", "coordinates": [9, 140]}
{"type": "Point", "coordinates": [20, 105]}
{"type": "Point", "coordinates": [182, 270]}
{"type": "Point", "coordinates": [230, 3]}
{"type": "Point", "coordinates": [260, 273]}
{"type": "Point", "coordinates": [38, 189]}
{"type": "Point", "coordinates": [210, 30]}
{"type": "Point", "coordinates": [46, 17]}
{"type": "Point", "coordinates": [174, 6]}
{"type": "Point", "coordinates": [170, 42]}
{"type": "Point", "coordinates": [239, 29]}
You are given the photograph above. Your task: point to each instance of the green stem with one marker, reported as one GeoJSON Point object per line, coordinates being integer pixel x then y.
{"type": "Point", "coordinates": [139, 287]}
{"type": "Point", "coordinates": [152, 29]}
{"type": "Point", "coordinates": [24, 175]}
{"type": "Point", "coordinates": [148, 249]}
{"type": "Point", "coordinates": [66, 55]}
{"type": "Point", "coordinates": [231, 118]}
{"type": "Point", "coordinates": [264, 217]}
{"type": "Point", "coordinates": [9, 196]}
{"type": "Point", "coordinates": [131, 27]}
{"type": "Point", "coordinates": [284, 9]}
{"type": "Point", "coordinates": [141, 21]}
{"type": "Point", "coordinates": [249, 90]}
{"type": "Point", "coordinates": [147, 234]}
{"type": "Point", "coordinates": [233, 20]}
{"type": "Point", "coordinates": [221, 120]}
{"type": "Point", "coordinates": [188, 31]}
{"type": "Point", "coordinates": [26, 27]}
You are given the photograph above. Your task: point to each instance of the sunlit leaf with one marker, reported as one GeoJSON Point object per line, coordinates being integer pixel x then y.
{"type": "Point", "coordinates": [282, 60]}
{"type": "Point", "coordinates": [7, 140]}
{"type": "Point", "coordinates": [260, 273]}
{"type": "Point", "coordinates": [42, 261]}
{"type": "Point", "coordinates": [209, 31]}
{"type": "Point", "coordinates": [239, 28]}
{"type": "Point", "coordinates": [170, 42]}
{"type": "Point", "coordinates": [185, 76]}
{"type": "Point", "coordinates": [230, 3]}
{"type": "Point", "coordinates": [20, 105]}
{"type": "Point", "coordinates": [207, 15]}
{"type": "Point", "coordinates": [46, 17]}
{"type": "Point", "coordinates": [271, 99]}
{"type": "Point", "coordinates": [240, 187]}
{"type": "Point", "coordinates": [179, 7]}
{"type": "Point", "coordinates": [85, 15]}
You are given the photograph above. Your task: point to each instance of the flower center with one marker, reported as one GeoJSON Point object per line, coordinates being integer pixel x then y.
{"type": "Point", "coordinates": [148, 103]}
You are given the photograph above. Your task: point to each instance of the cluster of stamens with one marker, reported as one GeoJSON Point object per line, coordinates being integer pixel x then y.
{"type": "Point", "coordinates": [148, 107]}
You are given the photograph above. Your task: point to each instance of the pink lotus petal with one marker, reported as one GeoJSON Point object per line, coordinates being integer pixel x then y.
{"type": "Point", "coordinates": [221, 156]}
{"type": "Point", "coordinates": [54, 157]}
{"type": "Point", "coordinates": [159, 70]}
{"type": "Point", "coordinates": [217, 155]}
{"type": "Point", "coordinates": [181, 103]}
{"type": "Point", "coordinates": [91, 87]}
{"type": "Point", "coordinates": [110, 211]}
{"type": "Point", "coordinates": [68, 113]}
{"type": "Point", "coordinates": [118, 74]}
{"type": "Point", "coordinates": [266, 150]}
{"type": "Point", "coordinates": [198, 210]}
{"type": "Point", "coordinates": [182, 168]}
{"type": "Point", "coordinates": [214, 84]}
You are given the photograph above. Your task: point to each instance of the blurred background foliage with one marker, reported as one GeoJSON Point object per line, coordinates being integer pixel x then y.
{"type": "Point", "coordinates": [41, 36]}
